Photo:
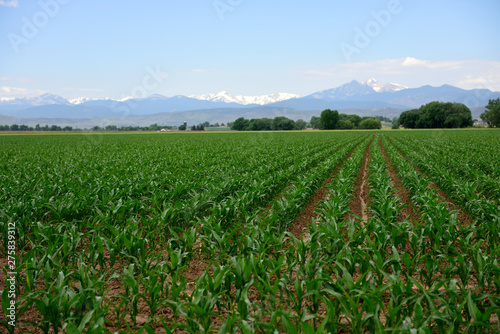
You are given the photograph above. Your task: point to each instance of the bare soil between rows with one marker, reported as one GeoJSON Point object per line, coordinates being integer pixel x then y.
{"type": "Point", "coordinates": [361, 199]}
{"type": "Point", "coordinates": [409, 211]}
{"type": "Point", "coordinates": [301, 223]}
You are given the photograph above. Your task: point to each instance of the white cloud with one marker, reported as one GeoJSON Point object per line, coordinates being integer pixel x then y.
{"type": "Point", "coordinates": [5, 78]}
{"type": "Point", "coordinates": [9, 3]}
{"type": "Point", "coordinates": [410, 61]}
{"type": "Point", "coordinates": [19, 92]}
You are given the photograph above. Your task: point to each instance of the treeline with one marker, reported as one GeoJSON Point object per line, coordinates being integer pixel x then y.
{"type": "Point", "coordinates": [437, 115]}
{"type": "Point", "coordinates": [332, 120]}
{"type": "Point", "coordinates": [262, 124]}
{"type": "Point", "coordinates": [22, 127]}
{"type": "Point", "coordinates": [329, 120]}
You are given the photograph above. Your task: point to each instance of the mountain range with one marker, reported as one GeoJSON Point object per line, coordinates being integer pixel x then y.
{"type": "Point", "coordinates": [356, 97]}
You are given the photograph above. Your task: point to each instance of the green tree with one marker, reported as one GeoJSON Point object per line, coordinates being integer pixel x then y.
{"type": "Point", "coordinates": [14, 127]}
{"type": "Point", "coordinates": [282, 123]}
{"type": "Point", "coordinates": [182, 127]}
{"type": "Point", "coordinates": [410, 118]}
{"type": "Point", "coordinates": [260, 124]}
{"type": "Point", "coordinates": [314, 122]}
{"type": "Point", "coordinates": [370, 123]}
{"type": "Point", "coordinates": [328, 119]}
{"type": "Point", "coordinates": [152, 127]}
{"type": "Point", "coordinates": [492, 114]}
{"type": "Point", "coordinates": [240, 124]}
{"type": "Point", "coordinates": [345, 125]}
{"type": "Point", "coordinates": [301, 124]}
{"type": "Point", "coordinates": [355, 119]}
{"type": "Point", "coordinates": [437, 115]}
{"type": "Point", "coordinates": [395, 123]}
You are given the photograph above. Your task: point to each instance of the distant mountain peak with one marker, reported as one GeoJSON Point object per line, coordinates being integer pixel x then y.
{"type": "Point", "coordinates": [226, 97]}
{"type": "Point", "coordinates": [383, 88]}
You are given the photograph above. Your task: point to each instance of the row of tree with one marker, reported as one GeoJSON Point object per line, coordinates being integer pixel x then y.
{"type": "Point", "coordinates": [437, 115]}
{"type": "Point", "coordinates": [22, 127]}
{"type": "Point", "coordinates": [110, 128]}
{"type": "Point", "coordinates": [262, 124]}
{"type": "Point", "coordinates": [329, 120]}
{"type": "Point", "coordinates": [332, 120]}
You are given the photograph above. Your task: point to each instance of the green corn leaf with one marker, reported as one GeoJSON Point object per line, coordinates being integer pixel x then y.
{"type": "Point", "coordinates": [5, 301]}
{"type": "Point", "coordinates": [85, 320]}
{"type": "Point", "coordinates": [72, 329]}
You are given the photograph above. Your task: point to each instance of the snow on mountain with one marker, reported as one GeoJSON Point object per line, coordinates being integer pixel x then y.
{"type": "Point", "coordinates": [226, 97]}
{"type": "Point", "coordinates": [383, 88]}
{"type": "Point", "coordinates": [41, 100]}
{"type": "Point", "coordinates": [80, 100]}
{"type": "Point", "coordinates": [7, 99]}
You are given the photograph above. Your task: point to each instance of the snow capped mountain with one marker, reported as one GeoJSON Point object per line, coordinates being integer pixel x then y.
{"type": "Point", "coordinates": [80, 100]}
{"type": "Point", "coordinates": [349, 90]}
{"type": "Point", "coordinates": [383, 88]}
{"type": "Point", "coordinates": [154, 97]}
{"type": "Point", "coordinates": [6, 99]}
{"type": "Point", "coordinates": [226, 97]}
{"type": "Point", "coordinates": [41, 100]}
{"type": "Point", "coordinates": [356, 90]}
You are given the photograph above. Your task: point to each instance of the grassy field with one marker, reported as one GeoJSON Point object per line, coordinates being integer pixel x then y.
{"type": "Point", "coordinates": [300, 232]}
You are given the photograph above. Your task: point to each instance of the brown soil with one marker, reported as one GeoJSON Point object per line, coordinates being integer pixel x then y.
{"type": "Point", "coordinates": [306, 216]}
{"type": "Point", "coordinates": [360, 201]}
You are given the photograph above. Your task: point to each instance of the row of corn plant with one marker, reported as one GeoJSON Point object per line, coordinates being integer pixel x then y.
{"type": "Point", "coordinates": [464, 192]}
{"type": "Point", "coordinates": [477, 166]}
{"type": "Point", "coordinates": [443, 256]}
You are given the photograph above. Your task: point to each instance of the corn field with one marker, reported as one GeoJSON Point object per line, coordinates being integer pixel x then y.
{"type": "Point", "coordinates": [272, 232]}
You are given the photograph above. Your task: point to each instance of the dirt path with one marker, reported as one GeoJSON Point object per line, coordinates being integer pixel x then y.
{"type": "Point", "coordinates": [359, 203]}
{"type": "Point", "coordinates": [305, 217]}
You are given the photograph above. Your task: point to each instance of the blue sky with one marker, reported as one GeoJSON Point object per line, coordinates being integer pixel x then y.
{"type": "Point", "coordinates": [109, 48]}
